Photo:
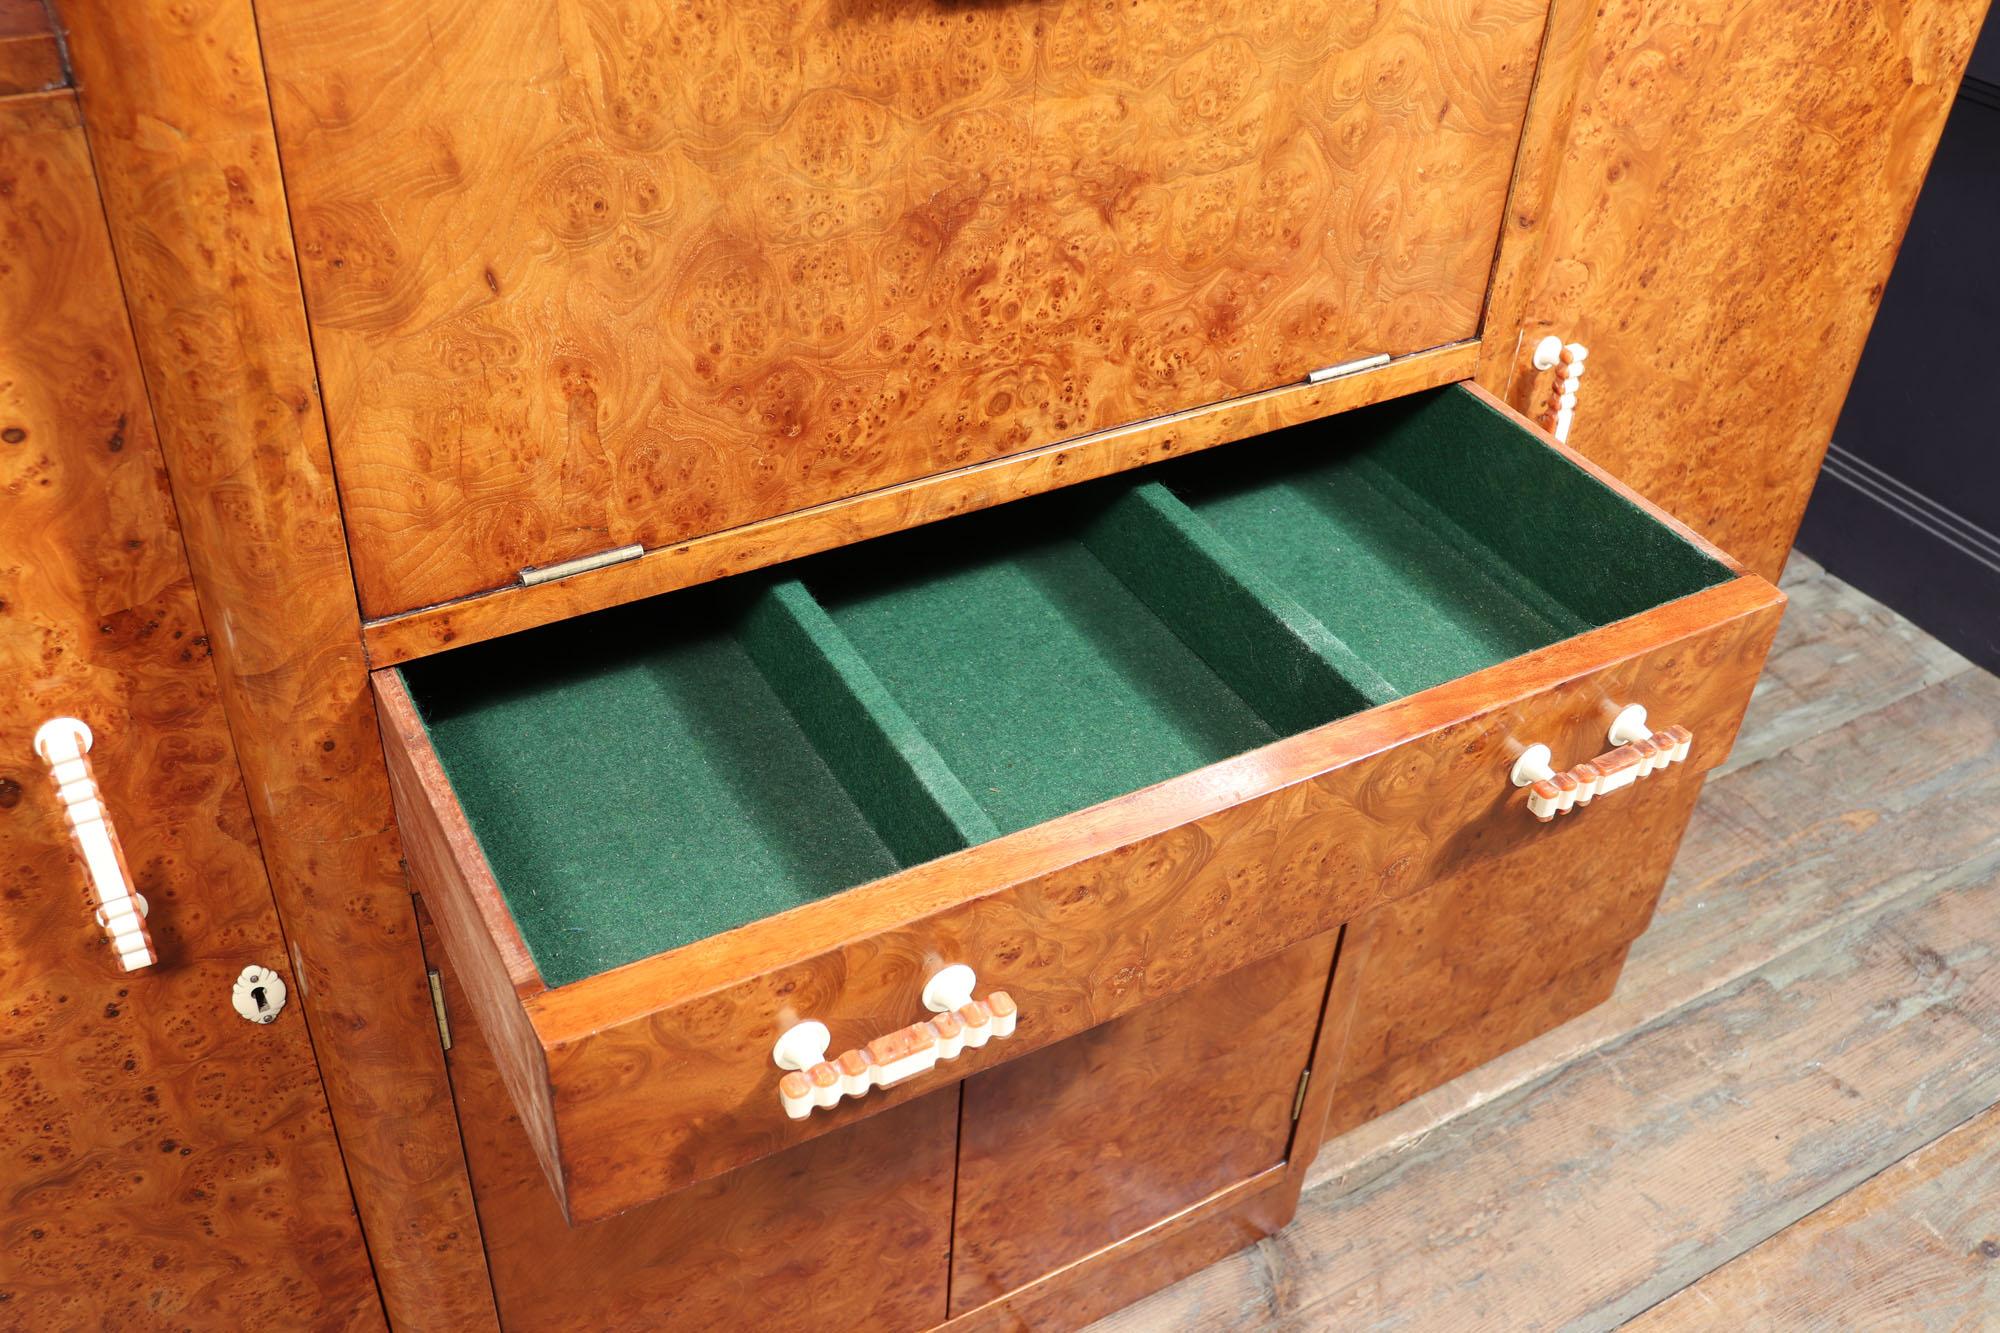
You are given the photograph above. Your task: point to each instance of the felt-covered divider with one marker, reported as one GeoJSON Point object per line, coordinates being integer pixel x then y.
{"type": "Point", "coordinates": [1400, 528]}
{"type": "Point", "coordinates": [1269, 649]}
{"type": "Point", "coordinates": [1041, 680]}
{"type": "Point", "coordinates": [1397, 591]}
{"type": "Point", "coordinates": [911, 797]}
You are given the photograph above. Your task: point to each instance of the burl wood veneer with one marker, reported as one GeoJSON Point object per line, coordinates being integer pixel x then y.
{"type": "Point", "coordinates": [163, 1162]}
{"type": "Point", "coordinates": [30, 60]}
{"type": "Point", "coordinates": [174, 105]}
{"type": "Point", "coordinates": [1506, 946]}
{"type": "Point", "coordinates": [1727, 203]}
{"type": "Point", "coordinates": [587, 274]}
{"type": "Point", "coordinates": [1071, 1150]}
{"type": "Point", "coordinates": [848, 1231]}
{"type": "Point", "coordinates": [414, 634]}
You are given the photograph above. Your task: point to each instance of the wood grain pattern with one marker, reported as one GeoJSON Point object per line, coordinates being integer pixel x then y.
{"type": "Point", "coordinates": [163, 1162]}
{"type": "Point", "coordinates": [1095, 1138]}
{"type": "Point", "coordinates": [1112, 1278]}
{"type": "Point", "coordinates": [174, 103]}
{"type": "Point", "coordinates": [1183, 1243]}
{"type": "Point", "coordinates": [1914, 1248]}
{"type": "Point", "coordinates": [1085, 918]}
{"type": "Point", "coordinates": [656, 270]}
{"type": "Point", "coordinates": [30, 58]}
{"type": "Point", "coordinates": [1501, 949]}
{"type": "Point", "coordinates": [1367, 1096]}
{"type": "Point", "coordinates": [1736, 184]}
{"type": "Point", "coordinates": [454, 624]}
{"type": "Point", "coordinates": [848, 1231]}
{"type": "Point", "coordinates": [1545, 131]}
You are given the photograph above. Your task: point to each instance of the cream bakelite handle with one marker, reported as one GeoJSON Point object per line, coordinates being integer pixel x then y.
{"type": "Point", "coordinates": [960, 1022]}
{"type": "Point", "coordinates": [62, 743]}
{"type": "Point", "coordinates": [1566, 359]}
{"type": "Point", "coordinates": [1639, 754]}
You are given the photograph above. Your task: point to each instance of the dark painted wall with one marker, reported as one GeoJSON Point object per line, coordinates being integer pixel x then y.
{"type": "Point", "coordinates": [1908, 506]}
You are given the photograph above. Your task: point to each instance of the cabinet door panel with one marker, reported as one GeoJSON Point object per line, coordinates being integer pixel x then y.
{"type": "Point", "coordinates": [1726, 211]}
{"type": "Point", "coordinates": [1078, 1146]}
{"type": "Point", "coordinates": [588, 274]}
{"type": "Point", "coordinates": [163, 1161]}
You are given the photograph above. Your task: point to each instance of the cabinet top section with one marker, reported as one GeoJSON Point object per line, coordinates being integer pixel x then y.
{"type": "Point", "coordinates": [589, 275]}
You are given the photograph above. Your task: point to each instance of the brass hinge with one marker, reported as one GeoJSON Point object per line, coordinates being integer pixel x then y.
{"type": "Point", "coordinates": [583, 564]}
{"type": "Point", "coordinates": [1298, 1098]}
{"type": "Point", "coordinates": [1325, 373]}
{"type": "Point", "coordinates": [444, 1024]}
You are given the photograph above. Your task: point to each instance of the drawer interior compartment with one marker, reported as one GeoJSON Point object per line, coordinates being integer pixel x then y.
{"type": "Point", "coordinates": [645, 778]}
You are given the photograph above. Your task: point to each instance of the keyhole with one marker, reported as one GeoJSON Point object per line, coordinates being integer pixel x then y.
{"type": "Point", "coordinates": [257, 994]}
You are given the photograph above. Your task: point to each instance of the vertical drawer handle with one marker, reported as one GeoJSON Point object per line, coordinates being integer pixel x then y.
{"type": "Point", "coordinates": [961, 1022]}
{"type": "Point", "coordinates": [1566, 359]}
{"type": "Point", "coordinates": [1639, 754]}
{"type": "Point", "coordinates": [62, 743]}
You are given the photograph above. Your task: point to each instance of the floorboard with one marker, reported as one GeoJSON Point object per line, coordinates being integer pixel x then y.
{"type": "Point", "coordinates": [1916, 1247]}
{"type": "Point", "coordinates": [1809, 1009]}
{"type": "Point", "coordinates": [1840, 655]}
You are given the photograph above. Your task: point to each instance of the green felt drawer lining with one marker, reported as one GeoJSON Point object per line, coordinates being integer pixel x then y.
{"type": "Point", "coordinates": [649, 776]}
{"type": "Point", "coordinates": [910, 796]}
{"type": "Point", "coordinates": [1277, 656]}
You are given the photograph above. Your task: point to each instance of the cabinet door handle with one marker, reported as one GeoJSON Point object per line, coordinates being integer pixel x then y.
{"type": "Point", "coordinates": [1566, 359]}
{"type": "Point", "coordinates": [62, 743]}
{"type": "Point", "coordinates": [961, 1022]}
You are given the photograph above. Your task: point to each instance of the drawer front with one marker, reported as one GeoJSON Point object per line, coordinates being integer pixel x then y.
{"type": "Point", "coordinates": [645, 1079]}
{"type": "Point", "coordinates": [599, 274]}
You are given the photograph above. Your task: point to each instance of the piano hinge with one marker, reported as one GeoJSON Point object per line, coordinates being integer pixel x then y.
{"type": "Point", "coordinates": [1299, 1097]}
{"type": "Point", "coordinates": [444, 1024]}
{"type": "Point", "coordinates": [1325, 373]}
{"type": "Point", "coordinates": [583, 564]}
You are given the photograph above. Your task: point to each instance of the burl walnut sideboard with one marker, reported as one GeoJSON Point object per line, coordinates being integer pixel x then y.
{"type": "Point", "coordinates": [859, 663]}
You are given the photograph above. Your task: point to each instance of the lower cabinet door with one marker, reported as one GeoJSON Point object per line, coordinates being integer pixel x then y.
{"type": "Point", "coordinates": [1513, 938]}
{"type": "Point", "coordinates": [851, 1230]}
{"type": "Point", "coordinates": [1077, 1147]}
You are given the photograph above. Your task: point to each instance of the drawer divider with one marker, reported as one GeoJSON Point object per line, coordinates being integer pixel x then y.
{"type": "Point", "coordinates": [917, 805]}
{"type": "Point", "coordinates": [1280, 658]}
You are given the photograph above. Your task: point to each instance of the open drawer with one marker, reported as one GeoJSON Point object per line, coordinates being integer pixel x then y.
{"type": "Point", "coordinates": [1098, 746]}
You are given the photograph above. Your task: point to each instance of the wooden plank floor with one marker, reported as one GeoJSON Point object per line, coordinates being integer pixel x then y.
{"type": "Point", "coordinates": [1784, 1116]}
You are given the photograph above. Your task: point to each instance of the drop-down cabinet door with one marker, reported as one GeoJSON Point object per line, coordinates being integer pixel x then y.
{"type": "Point", "coordinates": [606, 273]}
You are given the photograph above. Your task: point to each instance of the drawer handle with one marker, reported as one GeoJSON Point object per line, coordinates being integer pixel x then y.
{"type": "Point", "coordinates": [961, 1022]}
{"type": "Point", "coordinates": [1639, 754]}
{"type": "Point", "coordinates": [62, 743]}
